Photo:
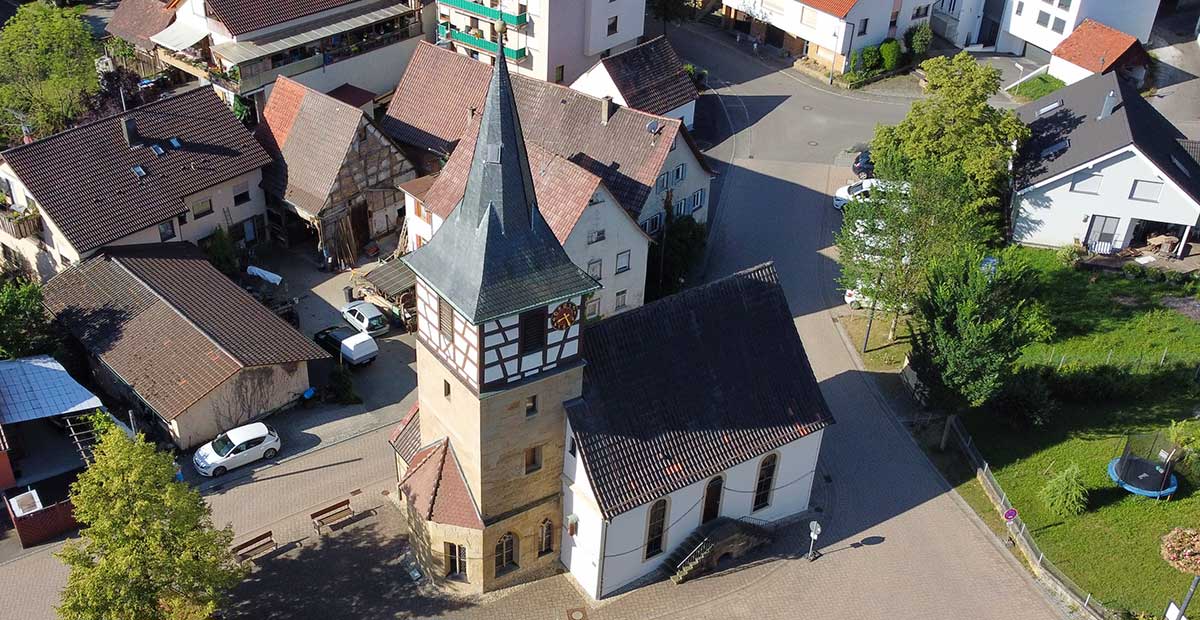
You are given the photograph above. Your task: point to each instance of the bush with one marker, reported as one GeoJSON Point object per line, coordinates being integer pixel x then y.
{"type": "Point", "coordinates": [872, 59]}
{"type": "Point", "coordinates": [890, 51]}
{"type": "Point", "coordinates": [1071, 254]}
{"type": "Point", "coordinates": [1026, 398]}
{"type": "Point", "coordinates": [1133, 270]}
{"type": "Point", "coordinates": [1156, 275]}
{"type": "Point", "coordinates": [341, 386]}
{"type": "Point", "coordinates": [1176, 278]}
{"type": "Point", "coordinates": [856, 61]}
{"type": "Point", "coordinates": [221, 252]}
{"type": "Point", "coordinates": [1064, 493]}
{"type": "Point", "coordinates": [1076, 383]}
{"type": "Point", "coordinates": [918, 39]}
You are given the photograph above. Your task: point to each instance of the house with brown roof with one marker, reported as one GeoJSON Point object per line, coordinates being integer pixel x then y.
{"type": "Point", "coordinates": [175, 169]}
{"type": "Point", "coordinates": [241, 46]}
{"type": "Point", "coordinates": [334, 171]}
{"type": "Point", "coordinates": [644, 160]}
{"type": "Point", "coordinates": [1096, 48]}
{"type": "Point", "coordinates": [182, 343]}
{"type": "Point", "coordinates": [649, 77]}
{"type": "Point", "coordinates": [598, 234]}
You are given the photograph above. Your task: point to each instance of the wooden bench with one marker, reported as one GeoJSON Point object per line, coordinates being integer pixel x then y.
{"type": "Point", "coordinates": [331, 515]}
{"type": "Point", "coordinates": [263, 543]}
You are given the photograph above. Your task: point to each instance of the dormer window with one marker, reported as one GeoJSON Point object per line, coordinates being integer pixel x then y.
{"type": "Point", "coordinates": [533, 330]}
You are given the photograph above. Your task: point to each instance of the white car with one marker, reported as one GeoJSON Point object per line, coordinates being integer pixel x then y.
{"type": "Point", "coordinates": [365, 317]}
{"type": "Point", "coordinates": [236, 447]}
{"type": "Point", "coordinates": [845, 194]}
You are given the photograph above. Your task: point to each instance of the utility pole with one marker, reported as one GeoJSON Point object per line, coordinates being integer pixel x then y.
{"type": "Point", "coordinates": [871, 317]}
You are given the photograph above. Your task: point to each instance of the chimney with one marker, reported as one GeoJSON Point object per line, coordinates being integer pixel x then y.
{"type": "Point", "coordinates": [606, 109]}
{"type": "Point", "coordinates": [129, 127]}
{"type": "Point", "coordinates": [471, 113]}
{"type": "Point", "coordinates": [1110, 102]}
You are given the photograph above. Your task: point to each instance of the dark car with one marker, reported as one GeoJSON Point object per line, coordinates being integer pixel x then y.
{"type": "Point", "coordinates": [863, 166]}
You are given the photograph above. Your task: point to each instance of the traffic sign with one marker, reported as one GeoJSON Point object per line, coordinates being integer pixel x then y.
{"type": "Point", "coordinates": [1010, 514]}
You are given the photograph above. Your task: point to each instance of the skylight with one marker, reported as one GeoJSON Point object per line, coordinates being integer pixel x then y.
{"type": "Point", "coordinates": [139, 172]}
{"type": "Point", "coordinates": [158, 150]}
{"type": "Point", "coordinates": [1056, 148]}
{"type": "Point", "coordinates": [1046, 109]}
{"type": "Point", "coordinates": [1179, 164]}
{"type": "Point", "coordinates": [175, 144]}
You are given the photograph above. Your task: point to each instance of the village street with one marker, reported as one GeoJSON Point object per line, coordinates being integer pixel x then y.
{"type": "Point", "coordinates": [899, 543]}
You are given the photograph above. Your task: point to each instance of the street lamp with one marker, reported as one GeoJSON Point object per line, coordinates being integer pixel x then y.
{"type": "Point", "coordinates": [833, 60]}
{"type": "Point", "coordinates": [814, 530]}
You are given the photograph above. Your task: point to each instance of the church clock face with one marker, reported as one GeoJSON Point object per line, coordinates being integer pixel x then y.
{"type": "Point", "coordinates": [565, 315]}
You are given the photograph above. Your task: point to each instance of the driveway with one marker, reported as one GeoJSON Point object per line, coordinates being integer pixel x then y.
{"type": "Point", "coordinates": [1173, 41]}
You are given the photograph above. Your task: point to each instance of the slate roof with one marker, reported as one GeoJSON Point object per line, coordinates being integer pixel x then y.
{"type": "Point", "coordinates": [84, 181]}
{"type": "Point", "coordinates": [559, 119]}
{"type": "Point", "coordinates": [406, 437]}
{"type": "Point", "coordinates": [308, 133]}
{"type": "Point", "coordinates": [242, 16]}
{"type": "Point", "coordinates": [38, 387]}
{"type": "Point", "coordinates": [1087, 137]}
{"type": "Point", "coordinates": [136, 21]}
{"type": "Point", "coordinates": [564, 190]}
{"type": "Point", "coordinates": [686, 387]}
{"type": "Point", "coordinates": [1097, 47]}
{"type": "Point", "coordinates": [495, 255]}
{"type": "Point", "coordinates": [170, 324]}
{"type": "Point", "coordinates": [651, 77]}
{"type": "Point", "coordinates": [434, 485]}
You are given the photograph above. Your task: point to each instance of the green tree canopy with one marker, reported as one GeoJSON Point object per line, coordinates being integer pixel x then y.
{"type": "Point", "coordinates": [47, 67]}
{"type": "Point", "coordinates": [954, 126]}
{"type": "Point", "coordinates": [670, 11]}
{"type": "Point", "coordinates": [24, 319]}
{"type": "Point", "coordinates": [148, 549]}
{"type": "Point", "coordinates": [977, 314]}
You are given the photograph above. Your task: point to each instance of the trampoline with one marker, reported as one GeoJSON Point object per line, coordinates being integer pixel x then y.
{"type": "Point", "coordinates": [1144, 467]}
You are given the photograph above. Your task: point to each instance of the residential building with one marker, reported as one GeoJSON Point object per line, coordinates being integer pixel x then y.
{"type": "Point", "coordinates": [1034, 28]}
{"type": "Point", "coordinates": [644, 160]}
{"type": "Point", "coordinates": [543, 39]}
{"type": "Point", "coordinates": [1103, 168]}
{"type": "Point", "coordinates": [183, 344]}
{"type": "Point", "coordinates": [334, 172]}
{"type": "Point", "coordinates": [1096, 48]}
{"type": "Point", "coordinates": [597, 233]}
{"type": "Point", "coordinates": [241, 47]}
{"type": "Point", "coordinates": [45, 439]}
{"type": "Point", "coordinates": [175, 169]}
{"type": "Point", "coordinates": [649, 77]}
{"type": "Point", "coordinates": [826, 32]}
{"type": "Point", "coordinates": [537, 442]}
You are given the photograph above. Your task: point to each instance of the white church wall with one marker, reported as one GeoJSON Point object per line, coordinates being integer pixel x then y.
{"type": "Point", "coordinates": [581, 550]}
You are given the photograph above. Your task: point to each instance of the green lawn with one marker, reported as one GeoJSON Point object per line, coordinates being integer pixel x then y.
{"type": "Point", "coordinates": [1037, 87]}
{"type": "Point", "coordinates": [1112, 550]}
{"type": "Point", "coordinates": [881, 355]}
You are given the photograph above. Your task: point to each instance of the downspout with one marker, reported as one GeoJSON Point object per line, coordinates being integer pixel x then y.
{"type": "Point", "coordinates": [600, 564]}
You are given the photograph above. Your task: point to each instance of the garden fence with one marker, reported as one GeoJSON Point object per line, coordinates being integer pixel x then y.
{"type": "Point", "coordinates": [1019, 534]}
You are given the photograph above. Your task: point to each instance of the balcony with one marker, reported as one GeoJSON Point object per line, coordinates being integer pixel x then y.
{"type": "Point", "coordinates": [188, 63]}
{"type": "Point", "coordinates": [234, 82]}
{"type": "Point", "coordinates": [487, 12]}
{"type": "Point", "coordinates": [491, 47]}
{"type": "Point", "coordinates": [21, 224]}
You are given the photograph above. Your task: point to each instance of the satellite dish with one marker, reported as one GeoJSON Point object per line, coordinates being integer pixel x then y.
{"type": "Point", "coordinates": [652, 127]}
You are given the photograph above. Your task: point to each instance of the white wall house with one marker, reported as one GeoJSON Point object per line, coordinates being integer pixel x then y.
{"type": "Point", "coordinates": [1034, 28]}
{"type": "Point", "coordinates": [1117, 177]}
{"type": "Point", "coordinates": [825, 32]}
{"type": "Point", "coordinates": [649, 77]}
{"type": "Point", "coordinates": [545, 39]}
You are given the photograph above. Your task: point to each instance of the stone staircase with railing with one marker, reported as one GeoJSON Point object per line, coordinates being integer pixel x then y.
{"type": "Point", "coordinates": [701, 551]}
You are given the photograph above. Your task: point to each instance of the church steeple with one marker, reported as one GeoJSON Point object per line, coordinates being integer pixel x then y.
{"type": "Point", "coordinates": [495, 255]}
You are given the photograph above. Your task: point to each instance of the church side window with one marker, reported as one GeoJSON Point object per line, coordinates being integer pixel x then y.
{"type": "Point", "coordinates": [656, 528]}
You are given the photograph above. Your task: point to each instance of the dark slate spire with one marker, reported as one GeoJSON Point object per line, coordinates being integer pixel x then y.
{"type": "Point", "coordinates": [495, 255]}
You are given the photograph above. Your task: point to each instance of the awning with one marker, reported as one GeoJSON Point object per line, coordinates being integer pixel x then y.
{"type": "Point", "coordinates": [38, 387]}
{"type": "Point", "coordinates": [392, 278]}
{"type": "Point", "coordinates": [238, 52]}
{"type": "Point", "coordinates": [180, 35]}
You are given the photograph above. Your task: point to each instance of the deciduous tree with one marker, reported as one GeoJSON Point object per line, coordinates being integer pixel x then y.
{"type": "Point", "coordinates": [47, 67]}
{"type": "Point", "coordinates": [670, 11]}
{"type": "Point", "coordinates": [23, 320]}
{"type": "Point", "coordinates": [148, 548]}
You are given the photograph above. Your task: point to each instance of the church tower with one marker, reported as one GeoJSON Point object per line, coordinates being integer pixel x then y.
{"type": "Point", "coordinates": [498, 353]}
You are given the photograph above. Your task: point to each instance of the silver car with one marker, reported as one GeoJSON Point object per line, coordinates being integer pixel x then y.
{"type": "Point", "coordinates": [365, 317]}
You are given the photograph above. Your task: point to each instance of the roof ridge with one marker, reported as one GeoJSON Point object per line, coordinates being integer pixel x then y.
{"type": "Point", "coordinates": [437, 480]}
{"type": "Point", "coordinates": [116, 258]}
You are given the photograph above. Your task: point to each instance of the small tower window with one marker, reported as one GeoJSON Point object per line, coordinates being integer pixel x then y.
{"type": "Point", "coordinates": [546, 537]}
{"type": "Point", "coordinates": [445, 318]}
{"type": "Point", "coordinates": [506, 553]}
{"type": "Point", "coordinates": [533, 330]}
{"type": "Point", "coordinates": [446, 389]}
{"type": "Point", "coordinates": [531, 406]}
{"type": "Point", "coordinates": [533, 459]}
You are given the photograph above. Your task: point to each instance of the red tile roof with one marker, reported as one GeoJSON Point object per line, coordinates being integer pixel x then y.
{"type": "Point", "coordinates": [563, 121]}
{"type": "Point", "coordinates": [837, 8]}
{"type": "Point", "coordinates": [1097, 47]}
{"type": "Point", "coordinates": [406, 437]}
{"type": "Point", "coordinates": [435, 487]}
{"type": "Point", "coordinates": [351, 94]}
{"type": "Point", "coordinates": [419, 186]}
{"type": "Point", "coordinates": [136, 21]}
{"type": "Point", "coordinates": [563, 189]}
{"type": "Point", "coordinates": [651, 77]}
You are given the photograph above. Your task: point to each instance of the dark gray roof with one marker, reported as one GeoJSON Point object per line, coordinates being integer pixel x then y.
{"type": "Point", "coordinates": [495, 255]}
{"type": "Point", "coordinates": [688, 386]}
{"type": "Point", "coordinates": [1075, 122]}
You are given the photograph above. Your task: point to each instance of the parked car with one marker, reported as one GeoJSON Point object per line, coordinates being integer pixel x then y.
{"type": "Point", "coordinates": [236, 447]}
{"type": "Point", "coordinates": [366, 317]}
{"type": "Point", "coordinates": [860, 190]}
{"type": "Point", "coordinates": [863, 166]}
{"type": "Point", "coordinates": [355, 347]}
